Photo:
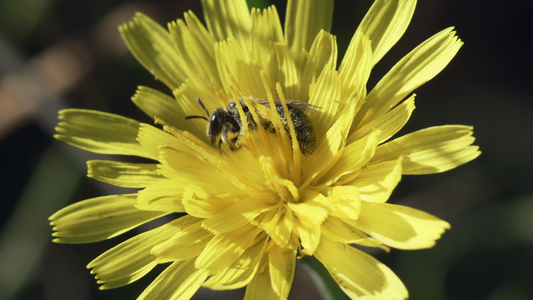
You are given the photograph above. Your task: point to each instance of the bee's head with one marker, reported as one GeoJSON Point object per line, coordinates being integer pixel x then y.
{"type": "Point", "coordinates": [216, 124]}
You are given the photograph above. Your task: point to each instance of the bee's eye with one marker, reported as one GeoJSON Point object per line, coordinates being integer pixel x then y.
{"type": "Point", "coordinates": [214, 119]}
{"type": "Point", "coordinates": [214, 126]}
{"type": "Point", "coordinates": [218, 120]}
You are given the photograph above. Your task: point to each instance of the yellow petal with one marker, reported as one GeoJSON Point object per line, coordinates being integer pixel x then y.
{"type": "Point", "coordinates": [201, 204]}
{"type": "Point", "coordinates": [232, 168]}
{"type": "Point", "coordinates": [313, 208]}
{"type": "Point", "coordinates": [260, 287]}
{"type": "Point", "coordinates": [131, 175]}
{"type": "Point", "coordinates": [160, 106]}
{"type": "Point", "coordinates": [98, 219]}
{"type": "Point", "coordinates": [415, 69]}
{"type": "Point", "coordinates": [346, 201]}
{"type": "Point", "coordinates": [278, 223]}
{"type": "Point", "coordinates": [377, 181]}
{"type": "Point", "coordinates": [282, 263]}
{"type": "Point", "coordinates": [175, 162]}
{"type": "Point", "coordinates": [355, 68]}
{"type": "Point", "coordinates": [266, 30]}
{"type": "Point", "coordinates": [188, 241]}
{"type": "Point", "coordinates": [303, 21]}
{"type": "Point", "coordinates": [358, 274]}
{"type": "Point", "coordinates": [385, 23]}
{"type": "Point", "coordinates": [180, 280]}
{"type": "Point", "coordinates": [337, 230]}
{"type": "Point", "coordinates": [399, 226]}
{"type": "Point", "coordinates": [327, 149]}
{"type": "Point", "coordinates": [152, 46]}
{"type": "Point", "coordinates": [389, 123]}
{"type": "Point", "coordinates": [309, 235]}
{"type": "Point", "coordinates": [165, 195]}
{"type": "Point", "coordinates": [100, 132]}
{"type": "Point", "coordinates": [224, 249]}
{"type": "Point", "coordinates": [205, 162]}
{"type": "Point", "coordinates": [196, 49]}
{"type": "Point", "coordinates": [228, 18]}
{"type": "Point", "coordinates": [282, 231]}
{"type": "Point", "coordinates": [431, 150]}
{"type": "Point", "coordinates": [326, 95]}
{"type": "Point", "coordinates": [198, 29]}
{"type": "Point", "coordinates": [323, 54]}
{"type": "Point", "coordinates": [281, 69]}
{"type": "Point", "coordinates": [131, 259]}
{"type": "Point", "coordinates": [353, 157]}
{"type": "Point", "coordinates": [285, 188]}
{"type": "Point", "coordinates": [241, 272]}
{"type": "Point", "coordinates": [240, 214]}
{"type": "Point", "coordinates": [152, 139]}
{"type": "Point", "coordinates": [236, 69]}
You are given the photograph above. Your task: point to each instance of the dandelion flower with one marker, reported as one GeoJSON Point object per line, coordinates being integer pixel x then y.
{"type": "Point", "coordinates": [243, 217]}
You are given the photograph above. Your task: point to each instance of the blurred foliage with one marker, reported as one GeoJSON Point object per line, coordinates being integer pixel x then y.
{"type": "Point", "coordinates": [19, 18]}
{"type": "Point", "coordinates": [488, 253]}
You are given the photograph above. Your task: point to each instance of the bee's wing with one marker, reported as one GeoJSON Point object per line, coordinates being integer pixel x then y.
{"type": "Point", "coordinates": [302, 105]}
{"type": "Point", "coordinates": [294, 103]}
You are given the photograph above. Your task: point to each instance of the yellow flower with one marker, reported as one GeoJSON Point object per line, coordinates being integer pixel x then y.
{"type": "Point", "coordinates": [246, 216]}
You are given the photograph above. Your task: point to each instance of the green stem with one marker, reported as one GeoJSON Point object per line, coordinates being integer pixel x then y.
{"type": "Point", "coordinates": [326, 285]}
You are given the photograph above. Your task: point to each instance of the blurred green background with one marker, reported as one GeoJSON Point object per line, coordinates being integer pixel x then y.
{"type": "Point", "coordinates": [57, 53]}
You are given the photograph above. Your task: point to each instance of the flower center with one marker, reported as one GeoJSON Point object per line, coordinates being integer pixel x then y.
{"type": "Point", "coordinates": [284, 188]}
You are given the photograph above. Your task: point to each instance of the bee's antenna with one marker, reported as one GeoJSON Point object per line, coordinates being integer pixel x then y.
{"type": "Point", "coordinates": [199, 117]}
{"type": "Point", "coordinates": [202, 105]}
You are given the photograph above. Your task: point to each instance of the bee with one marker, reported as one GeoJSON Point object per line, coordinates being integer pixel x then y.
{"type": "Point", "coordinates": [226, 122]}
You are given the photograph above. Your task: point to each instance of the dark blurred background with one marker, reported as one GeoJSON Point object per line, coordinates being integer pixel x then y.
{"type": "Point", "coordinates": [56, 54]}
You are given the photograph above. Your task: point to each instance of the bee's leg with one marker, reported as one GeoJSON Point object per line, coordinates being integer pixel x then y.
{"type": "Point", "coordinates": [237, 139]}
{"type": "Point", "coordinates": [251, 123]}
{"type": "Point", "coordinates": [234, 143]}
{"type": "Point", "coordinates": [267, 125]}
{"type": "Point", "coordinates": [224, 138]}
{"type": "Point", "coordinates": [231, 145]}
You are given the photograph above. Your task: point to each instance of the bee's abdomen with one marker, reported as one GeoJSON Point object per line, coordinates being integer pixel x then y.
{"type": "Point", "coordinates": [305, 132]}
